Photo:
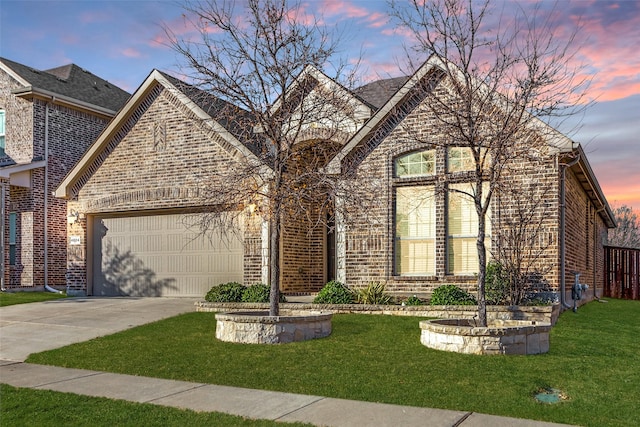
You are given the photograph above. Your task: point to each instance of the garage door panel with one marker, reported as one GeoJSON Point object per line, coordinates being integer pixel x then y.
{"type": "Point", "coordinates": [145, 256]}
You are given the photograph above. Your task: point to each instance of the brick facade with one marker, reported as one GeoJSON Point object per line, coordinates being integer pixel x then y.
{"type": "Point", "coordinates": [136, 176]}
{"type": "Point", "coordinates": [137, 173]}
{"type": "Point", "coordinates": [30, 124]}
{"type": "Point", "coordinates": [369, 235]}
{"type": "Point", "coordinates": [586, 236]}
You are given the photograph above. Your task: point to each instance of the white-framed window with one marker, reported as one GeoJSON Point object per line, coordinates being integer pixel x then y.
{"type": "Point", "coordinates": [415, 233]}
{"type": "Point", "coordinates": [436, 213]}
{"type": "Point", "coordinates": [462, 230]}
{"type": "Point", "coordinates": [419, 163]}
{"type": "Point", "coordinates": [460, 159]}
{"type": "Point", "coordinates": [2, 131]}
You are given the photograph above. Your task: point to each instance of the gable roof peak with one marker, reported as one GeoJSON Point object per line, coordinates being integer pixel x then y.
{"type": "Point", "coordinates": [78, 86]}
{"type": "Point", "coordinates": [63, 72]}
{"type": "Point", "coordinates": [378, 92]}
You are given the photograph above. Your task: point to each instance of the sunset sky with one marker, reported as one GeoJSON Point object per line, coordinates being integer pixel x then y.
{"type": "Point", "coordinates": [122, 41]}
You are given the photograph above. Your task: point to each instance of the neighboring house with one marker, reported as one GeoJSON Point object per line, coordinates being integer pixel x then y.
{"type": "Point", "coordinates": [138, 188]}
{"type": "Point", "coordinates": [48, 118]}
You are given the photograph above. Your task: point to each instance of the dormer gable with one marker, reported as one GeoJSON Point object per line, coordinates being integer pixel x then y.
{"type": "Point", "coordinates": [316, 107]}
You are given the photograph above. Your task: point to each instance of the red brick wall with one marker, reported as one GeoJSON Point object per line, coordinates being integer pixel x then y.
{"type": "Point", "coordinates": [303, 257]}
{"type": "Point", "coordinates": [584, 239]}
{"type": "Point", "coordinates": [70, 132]}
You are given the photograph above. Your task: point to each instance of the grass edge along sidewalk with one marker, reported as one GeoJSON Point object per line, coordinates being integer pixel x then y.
{"type": "Point", "coordinates": [593, 362]}
{"type": "Point", "coordinates": [24, 406]}
{"type": "Point", "coordinates": [12, 298]}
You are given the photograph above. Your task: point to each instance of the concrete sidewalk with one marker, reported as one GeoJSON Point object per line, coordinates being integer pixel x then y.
{"type": "Point", "coordinates": [259, 404]}
{"type": "Point", "coordinates": [30, 328]}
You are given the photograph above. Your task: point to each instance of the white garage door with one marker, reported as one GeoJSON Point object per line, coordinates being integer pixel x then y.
{"type": "Point", "coordinates": [159, 256]}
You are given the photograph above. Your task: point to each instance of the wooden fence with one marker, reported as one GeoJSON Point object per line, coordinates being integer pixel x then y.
{"type": "Point", "coordinates": [622, 272]}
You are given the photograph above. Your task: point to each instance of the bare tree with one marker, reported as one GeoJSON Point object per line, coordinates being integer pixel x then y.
{"type": "Point", "coordinates": [523, 238]}
{"type": "Point", "coordinates": [266, 63]}
{"type": "Point", "coordinates": [627, 233]}
{"type": "Point", "coordinates": [505, 75]}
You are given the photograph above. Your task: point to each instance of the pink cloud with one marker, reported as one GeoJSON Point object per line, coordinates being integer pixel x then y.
{"type": "Point", "coordinates": [610, 52]}
{"type": "Point", "coordinates": [623, 195]}
{"type": "Point", "coordinates": [131, 53]}
{"type": "Point", "coordinates": [377, 20]}
{"type": "Point", "coordinates": [70, 39]}
{"type": "Point", "coordinates": [343, 8]}
{"type": "Point", "coordinates": [93, 16]}
{"type": "Point", "coordinates": [605, 46]}
{"type": "Point", "coordinates": [302, 15]}
{"type": "Point", "coordinates": [620, 181]}
{"type": "Point", "coordinates": [347, 10]}
{"type": "Point", "coordinates": [372, 70]}
{"type": "Point", "coordinates": [182, 28]}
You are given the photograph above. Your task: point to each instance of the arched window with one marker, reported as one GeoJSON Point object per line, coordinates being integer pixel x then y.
{"type": "Point", "coordinates": [419, 163]}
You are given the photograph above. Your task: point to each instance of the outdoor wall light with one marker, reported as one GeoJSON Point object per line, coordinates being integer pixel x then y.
{"type": "Point", "coordinates": [74, 216]}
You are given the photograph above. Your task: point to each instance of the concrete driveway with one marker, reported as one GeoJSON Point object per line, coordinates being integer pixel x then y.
{"type": "Point", "coordinates": [36, 327]}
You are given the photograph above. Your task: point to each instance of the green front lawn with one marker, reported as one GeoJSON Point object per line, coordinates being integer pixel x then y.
{"type": "Point", "coordinates": [26, 407]}
{"type": "Point", "coordinates": [11, 298]}
{"type": "Point", "coordinates": [594, 359]}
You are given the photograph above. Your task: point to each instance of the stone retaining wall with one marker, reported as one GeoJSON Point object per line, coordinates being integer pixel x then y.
{"type": "Point", "coordinates": [540, 314]}
{"type": "Point", "coordinates": [259, 328]}
{"type": "Point", "coordinates": [501, 337]}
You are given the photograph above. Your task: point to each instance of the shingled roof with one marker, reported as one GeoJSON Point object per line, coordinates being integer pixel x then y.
{"type": "Point", "coordinates": [236, 120]}
{"type": "Point", "coordinates": [72, 82]}
{"type": "Point", "coordinates": [377, 93]}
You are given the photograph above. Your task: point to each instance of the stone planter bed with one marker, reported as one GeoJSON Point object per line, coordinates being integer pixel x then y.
{"type": "Point", "coordinates": [538, 314]}
{"type": "Point", "coordinates": [500, 337]}
{"type": "Point", "coordinates": [257, 327]}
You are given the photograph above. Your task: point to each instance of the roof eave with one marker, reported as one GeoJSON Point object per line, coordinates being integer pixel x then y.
{"type": "Point", "coordinates": [592, 187]}
{"type": "Point", "coordinates": [30, 91]}
{"type": "Point", "coordinates": [7, 171]}
{"type": "Point", "coordinates": [17, 77]}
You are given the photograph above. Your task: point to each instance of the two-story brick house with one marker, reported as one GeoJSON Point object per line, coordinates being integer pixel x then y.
{"type": "Point", "coordinates": [138, 180]}
{"type": "Point", "coordinates": [48, 118]}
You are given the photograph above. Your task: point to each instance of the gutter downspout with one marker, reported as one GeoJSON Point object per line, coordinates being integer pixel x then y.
{"type": "Point", "coordinates": [563, 177]}
{"type": "Point", "coordinates": [595, 253]}
{"type": "Point", "coordinates": [46, 200]}
{"type": "Point", "coordinates": [2, 219]}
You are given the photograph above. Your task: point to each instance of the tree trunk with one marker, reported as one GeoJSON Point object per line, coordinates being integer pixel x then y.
{"type": "Point", "coordinates": [274, 264]}
{"type": "Point", "coordinates": [482, 267]}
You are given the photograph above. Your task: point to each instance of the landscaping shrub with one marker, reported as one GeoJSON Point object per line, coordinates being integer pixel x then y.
{"type": "Point", "coordinates": [538, 300]}
{"type": "Point", "coordinates": [451, 295]}
{"type": "Point", "coordinates": [226, 292]}
{"type": "Point", "coordinates": [335, 293]}
{"type": "Point", "coordinates": [413, 300]}
{"type": "Point", "coordinates": [258, 293]}
{"type": "Point", "coordinates": [374, 294]}
{"type": "Point", "coordinates": [496, 284]}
